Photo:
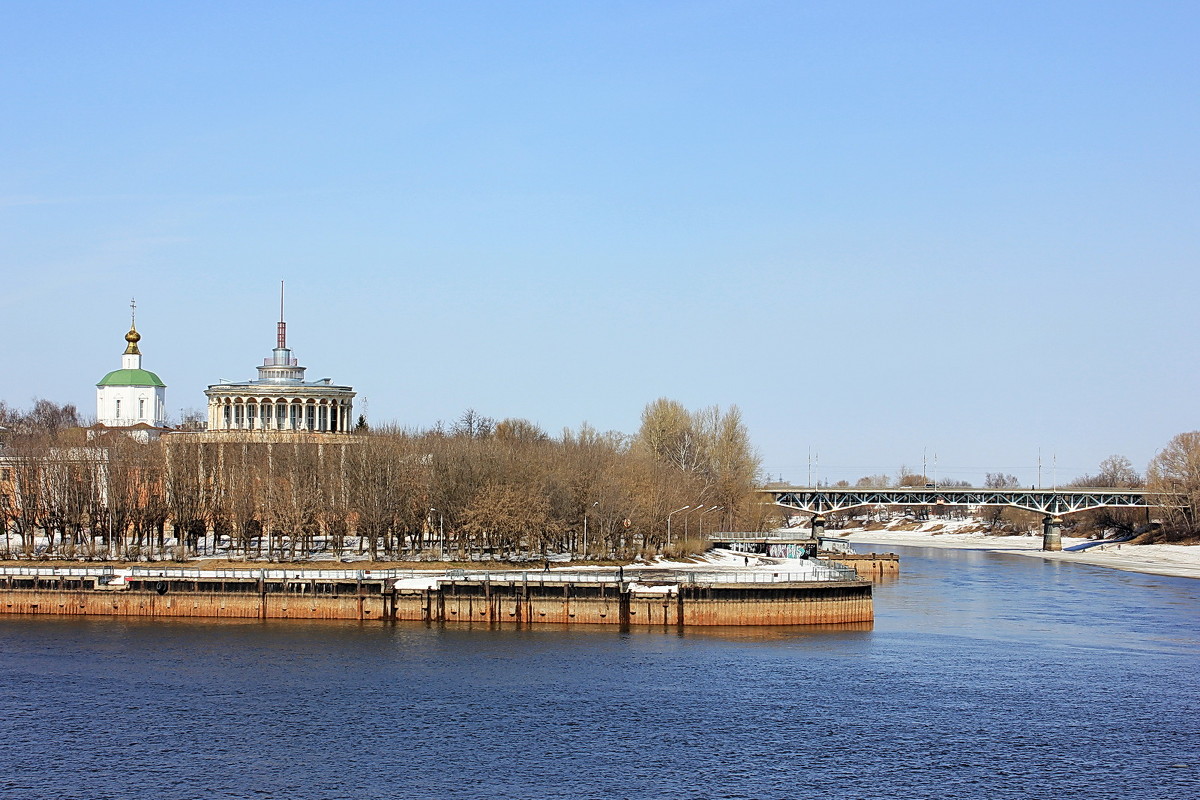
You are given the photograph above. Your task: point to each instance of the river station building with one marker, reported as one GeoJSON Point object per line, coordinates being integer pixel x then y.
{"type": "Point", "coordinates": [280, 400]}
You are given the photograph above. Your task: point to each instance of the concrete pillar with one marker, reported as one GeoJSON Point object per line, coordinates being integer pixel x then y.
{"type": "Point", "coordinates": [1052, 534]}
{"type": "Point", "coordinates": [818, 526]}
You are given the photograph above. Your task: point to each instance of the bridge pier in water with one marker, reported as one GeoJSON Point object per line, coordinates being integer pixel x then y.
{"type": "Point", "coordinates": [1051, 533]}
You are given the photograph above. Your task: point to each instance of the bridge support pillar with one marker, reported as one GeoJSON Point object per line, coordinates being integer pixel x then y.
{"type": "Point", "coordinates": [1052, 534]}
{"type": "Point", "coordinates": [818, 526]}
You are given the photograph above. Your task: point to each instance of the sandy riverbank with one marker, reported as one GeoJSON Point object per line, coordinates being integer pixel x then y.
{"type": "Point", "coordinates": [1158, 559]}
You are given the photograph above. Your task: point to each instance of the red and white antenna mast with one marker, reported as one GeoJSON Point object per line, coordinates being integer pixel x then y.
{"type": "Point", "coordinates": [281, 338]}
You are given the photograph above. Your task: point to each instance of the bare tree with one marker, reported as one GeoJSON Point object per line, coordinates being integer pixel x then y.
{"type": "Point", "coordinates": [1174, 472]}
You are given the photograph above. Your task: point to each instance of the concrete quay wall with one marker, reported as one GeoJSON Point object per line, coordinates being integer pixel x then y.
{"type": "Point", "coordinates": [66, 602]}
{"type": "Point", "coordinates": [493, 602]}
{"type": "Point", "coordinates": [868, 565]}
{"type": "Point", "coordinates": [786, 604]}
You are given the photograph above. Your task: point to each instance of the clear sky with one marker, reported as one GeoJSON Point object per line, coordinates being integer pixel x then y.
{"type": "Point", "coordinates": [882, 230]}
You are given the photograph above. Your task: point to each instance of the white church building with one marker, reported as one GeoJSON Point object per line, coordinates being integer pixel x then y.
{"type": "Point", "coordinates": [131, 397]}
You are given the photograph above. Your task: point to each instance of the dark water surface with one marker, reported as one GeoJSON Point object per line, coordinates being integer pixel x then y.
{"type": "Point", "coordinates": [984, 677]}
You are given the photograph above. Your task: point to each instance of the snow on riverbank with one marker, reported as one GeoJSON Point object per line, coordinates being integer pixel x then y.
{"type": "Point", "coordinates": [1157, 559]}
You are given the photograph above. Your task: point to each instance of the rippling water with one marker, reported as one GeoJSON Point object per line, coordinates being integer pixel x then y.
{"type": "Point", "coordinates": [984, 676]}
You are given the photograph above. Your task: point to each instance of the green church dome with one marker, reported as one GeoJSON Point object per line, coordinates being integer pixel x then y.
{"type": "Point", "coordinates": [131, 377]}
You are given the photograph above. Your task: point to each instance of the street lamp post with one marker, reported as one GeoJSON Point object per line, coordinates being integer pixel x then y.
{"type": "Point", "coordinates": [441, 533]}
{"type": "Point", "coordinates": [701, 517]}
{"type": "Point", "coordinates": [700, 511]}
{"type": "Point", "coordinates": [673, 513]}
{"type": "Point", "coordinates": [687, 521]}
{"type": "Point", "coordinates": [585, 516]}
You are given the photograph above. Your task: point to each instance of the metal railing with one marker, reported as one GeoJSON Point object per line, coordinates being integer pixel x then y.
{"type": "Point", "coordinates": [209, 574]}
{"type": "Point", "coordinates": [787, 534]}
{"type": "Point", "coordinates": [816, 572]}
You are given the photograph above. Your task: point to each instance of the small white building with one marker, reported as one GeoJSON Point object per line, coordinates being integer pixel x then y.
{"type": "Point", "coordinates": [131, 397]}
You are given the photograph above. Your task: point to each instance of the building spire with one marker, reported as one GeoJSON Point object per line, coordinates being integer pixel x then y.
{"type": "Point", "coordinates": [133, 337]}
{"type": "Point", "coordinates": [281, 337]}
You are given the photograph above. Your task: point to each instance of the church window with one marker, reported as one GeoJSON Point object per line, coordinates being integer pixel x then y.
{"type": "Point", "coordinates": [141, 408]}
{"type": "Point", "coordinates": [117, 413]}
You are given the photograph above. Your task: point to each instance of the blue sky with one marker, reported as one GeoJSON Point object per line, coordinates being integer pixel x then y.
{"type": "Point", "coordinates": [882, 230]}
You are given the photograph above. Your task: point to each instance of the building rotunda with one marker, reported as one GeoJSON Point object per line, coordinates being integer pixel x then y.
{"type": "Point", "coordinates": [280, 400]}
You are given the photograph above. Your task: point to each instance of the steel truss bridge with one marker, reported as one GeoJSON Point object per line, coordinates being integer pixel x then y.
{"type": "Point", "coordinates": [1050, 502]}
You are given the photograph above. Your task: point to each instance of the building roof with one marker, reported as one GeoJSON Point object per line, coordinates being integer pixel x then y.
{"type": "Point", "coordinates": [131, 377]}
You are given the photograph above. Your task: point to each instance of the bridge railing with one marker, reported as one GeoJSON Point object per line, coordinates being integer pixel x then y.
{"type": "Point", "coordinates": [785, 534]}
{"type": "Point", "coordinates": [814, 500]}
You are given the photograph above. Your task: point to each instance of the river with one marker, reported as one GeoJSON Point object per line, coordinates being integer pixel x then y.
{"type": "Point", "coordinates": [984, 676]}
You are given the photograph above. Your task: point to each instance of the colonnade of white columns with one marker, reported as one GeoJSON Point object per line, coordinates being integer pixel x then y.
{"type": "Point", "coordinates": [290, 414]}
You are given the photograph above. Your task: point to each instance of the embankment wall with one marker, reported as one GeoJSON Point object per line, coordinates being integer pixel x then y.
{"type": "Point", "coordinates": [475, 601]}
{"type": "Point", "coordinates": [868, 565]}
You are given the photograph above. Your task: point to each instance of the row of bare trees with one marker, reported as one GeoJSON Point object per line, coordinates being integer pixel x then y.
{"type": "Point", "coordinates": [477, 488]}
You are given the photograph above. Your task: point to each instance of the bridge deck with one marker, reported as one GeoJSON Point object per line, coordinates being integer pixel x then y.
{"type": "Point", "coordinates": [1045, 501]}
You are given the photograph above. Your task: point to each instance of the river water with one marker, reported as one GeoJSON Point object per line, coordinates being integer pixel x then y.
{"type": "Point", "coordinates": [984, 676]}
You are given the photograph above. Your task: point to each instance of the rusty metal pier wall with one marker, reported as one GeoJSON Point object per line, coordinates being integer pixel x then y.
{"type": "Point", "coordinates": [495, 602]}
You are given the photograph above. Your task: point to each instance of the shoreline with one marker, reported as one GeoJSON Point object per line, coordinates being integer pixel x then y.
{"type": "Point", "coordinates": [1171, 560]}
